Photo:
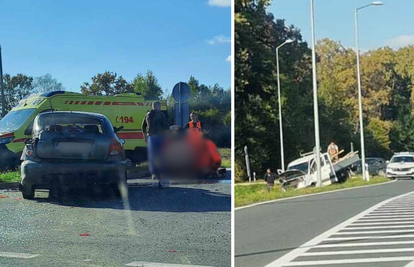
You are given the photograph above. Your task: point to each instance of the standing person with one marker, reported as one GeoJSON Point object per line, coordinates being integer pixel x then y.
{"type": "Point", "coordinates": [194, 123]}
{"type": "Point", "coordinates": [270, 178]}
{"type": "Point", "coordinates": [333, 151]}
{"type": "Point", "coordinates": [154, 126]}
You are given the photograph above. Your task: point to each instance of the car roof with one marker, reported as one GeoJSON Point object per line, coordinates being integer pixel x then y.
{"type": "Point", "coordinates": [303, 159]}
{"type": "Point", "coordinates": [75, 112]}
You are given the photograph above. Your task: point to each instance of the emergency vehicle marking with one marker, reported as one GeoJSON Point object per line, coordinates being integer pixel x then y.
{"type": "Point", "coordinates": [67, 102]}
{"type": "Point", "coordinates": [123, 104]}
{"type": "Point", "coordinates": [124, 119]}
{"type": "Point", "coordinates": [7, 135]}
{"type": "Point", "coordinates": [19, 140]}
{"type": "Point", "coordinates": [133, 135]}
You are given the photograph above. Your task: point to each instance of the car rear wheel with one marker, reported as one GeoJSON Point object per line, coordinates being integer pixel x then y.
{"type": "Point", "coordinates": [114, 189]}
{"type": "Point", "coordinates": [28, 192]}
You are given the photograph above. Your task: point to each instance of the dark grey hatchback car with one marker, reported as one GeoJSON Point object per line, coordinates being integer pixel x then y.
{"type": "Point", "coordinates": [71, 149]}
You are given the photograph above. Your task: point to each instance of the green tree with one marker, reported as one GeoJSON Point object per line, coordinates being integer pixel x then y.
{"type": "Point", "coordinates": [107, 83]}
{"type": "Point", "coordinates": [16, 88]}
{"type": "Point", "coordinates": [402, 132]}
{"type": "Point", "coordinates": [46, 83]}
{"type": "Point", "coordinates": [257, 34]}
{"type": "Point", "coordinates": [148, 86]}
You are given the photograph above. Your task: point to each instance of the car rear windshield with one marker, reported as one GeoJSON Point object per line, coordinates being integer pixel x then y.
{"type": "Point", "coordinates": [403, 159]}
{"type": "Point", "coordinates": [15, 119]}
{"type": "Point", "coordinates": [69, 123]}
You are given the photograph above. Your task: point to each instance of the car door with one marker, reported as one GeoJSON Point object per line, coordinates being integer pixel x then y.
{"type": "Point", "coordinates": [325, 171]}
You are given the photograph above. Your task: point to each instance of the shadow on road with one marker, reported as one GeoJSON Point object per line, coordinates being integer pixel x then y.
{"type": "Point", "coordinates": [191, 198]}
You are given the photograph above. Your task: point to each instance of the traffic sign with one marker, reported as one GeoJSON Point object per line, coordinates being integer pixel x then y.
{"type": "Point", "coordinates": [181, 92]}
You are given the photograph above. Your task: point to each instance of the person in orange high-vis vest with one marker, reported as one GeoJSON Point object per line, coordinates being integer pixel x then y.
{"type": "Point", "coordinates": [194, 123]}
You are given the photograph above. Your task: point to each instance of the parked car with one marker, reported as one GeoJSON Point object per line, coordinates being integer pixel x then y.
{"type": "Point", "coordinates": [70, 149]}
{"type": "Point", "coordinates": [376, 166]}
{"type": "Point", "coordinates": [401, 165]}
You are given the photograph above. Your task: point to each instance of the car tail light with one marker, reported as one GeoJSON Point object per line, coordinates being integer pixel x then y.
{"type": "Point", "coordinates": [29, 152]}
{"type": "Point", "coordinates": [115, 147]}
{"type": "Point", "coordinates": [7, 138]}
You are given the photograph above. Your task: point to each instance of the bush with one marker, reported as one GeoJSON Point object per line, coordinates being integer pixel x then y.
{"type": "Point", "coordinates": [239, 172]}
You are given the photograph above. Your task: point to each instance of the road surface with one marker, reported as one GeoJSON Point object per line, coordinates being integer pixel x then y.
{"type": "Point", "coordinates": [267, 232]}
{"type": "Point", "coordinates": [184, 225]}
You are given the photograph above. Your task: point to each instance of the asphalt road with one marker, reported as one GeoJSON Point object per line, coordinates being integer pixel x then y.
{"type": "Point", "coordinates": [183, 224]}
{"type": "Point", "coordinates": [266, 232]}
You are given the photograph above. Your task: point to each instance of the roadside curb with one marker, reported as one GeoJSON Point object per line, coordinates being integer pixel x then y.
{"type": "Point", "coordinates": [307, 195]}
{"type": "Point", "coordinates": [9, 186]}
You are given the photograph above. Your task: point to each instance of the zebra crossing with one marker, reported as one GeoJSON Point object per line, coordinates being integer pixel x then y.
{"type": "Point", "coordinates": [380, 236]}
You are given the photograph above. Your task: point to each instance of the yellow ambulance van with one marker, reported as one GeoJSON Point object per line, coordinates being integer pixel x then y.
{"type": "Point", "coordinates": [127, 110]}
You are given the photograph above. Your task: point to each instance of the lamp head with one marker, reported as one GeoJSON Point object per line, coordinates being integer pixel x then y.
{"type": "Point", "coordinates": [377, 3]}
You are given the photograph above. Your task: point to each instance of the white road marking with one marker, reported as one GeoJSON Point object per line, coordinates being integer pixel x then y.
{"type": "Point", "coordinates": [392, 212]}
{"type": "Point", "coordinates": [156, 264]}
{"type": "Point", "coordinates": [364, 244]}
{"type": "Point", "coordinates": [348, 261]}
{"type": "Point", "coordinates": [380, 227]}
{"type": "Point", "coordinates": [382, 223]}
{"type": "Point", "coordinates": [373, 232]}
{"type": "Point", "coordinates": [365, 220]}
{"type": "Point", "coordinates": [362, 251]}
{"type": "Point", "coordinates": [319, 241]}
{"type": "Point", "coordinates": [17, 255]}
{"type": "Point", "coordinates": [385, 216]}
{"type": "Point", "coordinates": [369, 237]}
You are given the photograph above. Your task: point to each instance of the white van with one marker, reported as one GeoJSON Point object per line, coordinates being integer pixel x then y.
{"type": "Point", "coordinates": [301, 172]}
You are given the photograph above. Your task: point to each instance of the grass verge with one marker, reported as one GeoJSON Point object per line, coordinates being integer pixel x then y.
{"type": "Point", "coordinates": [225, 157]}
{"type": "Point", "coordinates": [10, 177]}
{"type": "Point", "coordinates": [249, 194]}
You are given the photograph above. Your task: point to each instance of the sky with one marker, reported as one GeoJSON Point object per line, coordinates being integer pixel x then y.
{"type": "Point", "coordinates": [74, 40]}
{"type": "Point", "coordinates": [388, 25]}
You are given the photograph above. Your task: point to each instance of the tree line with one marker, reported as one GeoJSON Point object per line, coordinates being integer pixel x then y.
{"type": "Point", "coordinates": [387, 78]}
{"type": "Point", "coordinates": [211, 103]}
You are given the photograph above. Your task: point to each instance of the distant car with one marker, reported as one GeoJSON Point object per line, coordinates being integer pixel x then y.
{"type": "Point", "coordinates": [376, 166]}
{"type": "Point", "coordinates": [70, 149]}
{"type": "Point", "coordinates": [401, 165]}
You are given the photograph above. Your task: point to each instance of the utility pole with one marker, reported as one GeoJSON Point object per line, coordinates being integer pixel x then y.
{"type": "Point", "coordinates": [3, 105]}
{"type": "Point", "coordinates": [361, 119]}
{"type": "Point", "coordinates": [315, 100]}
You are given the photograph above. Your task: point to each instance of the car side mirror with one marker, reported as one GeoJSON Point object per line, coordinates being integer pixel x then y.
{"type": "Point", "coordinates": [387, 162]}
{"type": "Point", "coordinates": [122, 141]}
{"type": "Point", "coordinates": [279, 171]}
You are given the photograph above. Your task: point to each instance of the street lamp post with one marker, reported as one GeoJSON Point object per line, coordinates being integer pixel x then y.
{"type": "Point", "coordinates": [361, 120]}
{"type": "Point", "coordinates": [315, 100]}
{"type": "Point", "coordinates": [280, 104]}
